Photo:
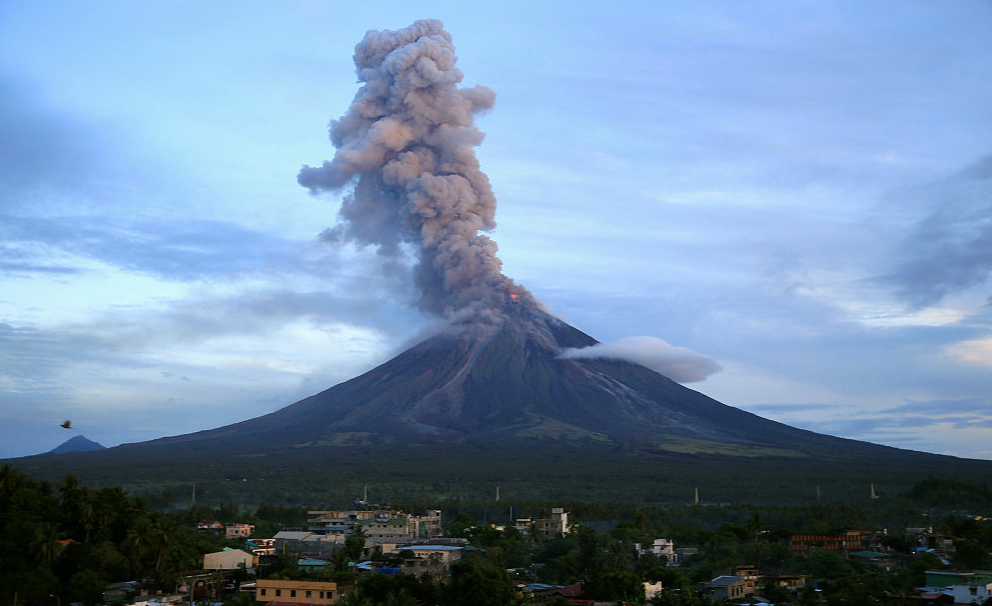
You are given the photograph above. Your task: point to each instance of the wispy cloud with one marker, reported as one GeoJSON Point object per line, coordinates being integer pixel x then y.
{"type": "Point", "coordinates": [948, 249]}
{"type": "Point", "coordinates": [677, 363]}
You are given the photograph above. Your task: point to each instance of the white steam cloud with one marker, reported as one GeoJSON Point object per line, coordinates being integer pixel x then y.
{"type": "Point", "coordinates": [405, 147]}
{"type": "Point", "coordinates": [676, 363]}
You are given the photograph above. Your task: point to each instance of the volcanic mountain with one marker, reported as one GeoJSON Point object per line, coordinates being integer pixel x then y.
{"type": "Point", "coordinates": [491, 400]}
{"type": "Point", "coordinates": [498, 378]}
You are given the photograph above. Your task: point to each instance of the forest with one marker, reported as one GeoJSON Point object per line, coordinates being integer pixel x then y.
{"type": "Point", "coordinates": [64, 543]}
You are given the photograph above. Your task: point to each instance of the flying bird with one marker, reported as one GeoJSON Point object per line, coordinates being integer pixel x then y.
{"type": "Point", "coordinates": [66, 425]}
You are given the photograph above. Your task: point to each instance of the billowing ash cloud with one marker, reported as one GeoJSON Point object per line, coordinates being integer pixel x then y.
{"type": "Point", "coordinates": [676, 363]}
{"type": "Point", "coordinates": [405, 147]}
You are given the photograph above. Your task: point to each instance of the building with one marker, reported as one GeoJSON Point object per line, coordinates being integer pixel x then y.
{"type": "Point", "coordinates": [848, 541]}
{"type": "Point", "coordinates": [299, 592]}
{"type": "Point", "coordinates": [307, 544]}
{"type": "Point", "coordinates": [662, 548]}
{"type": "Point", "coordinates": [973, 592]}
{"type": "Point", "coordinates": [445, 554]}
{"type": "Point", "coordinates": [378, 525]}
{"type": "Point", "coordinates": [234, 531]}
{"type": "Point", "coordinates": [728, 587]}
{"type": "Point", "coordinates": [261, 547]}
{"type": "Point", "coordinates": [548, 528]}
{"type": "Point", "coordinates": [229, 559]}
{"type": "Point", "coordinates": [652, 590]}
{"type": "Point", "coordinates": [210, 526]}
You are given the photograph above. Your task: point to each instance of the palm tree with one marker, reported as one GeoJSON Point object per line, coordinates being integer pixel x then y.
{"type": "Point", "coordinates": [46, 546]}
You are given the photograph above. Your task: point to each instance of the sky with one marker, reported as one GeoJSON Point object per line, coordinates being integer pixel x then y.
{"type": "Point", "coordinates": [796, 192]}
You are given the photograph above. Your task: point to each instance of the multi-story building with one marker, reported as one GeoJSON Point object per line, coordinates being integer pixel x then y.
{"type": "Point", "coordinates": [662, 548]}
{"type": "Point", "coordinates": [378, 525]}
{"type": "Point", "coordinates": [846, 542]}
{"type": "Point", "coordinates": [233, 531]}
{"type": "Point", "coordinates": [299, 592]}
{"type": "Point", "coordinates": [548, 528]}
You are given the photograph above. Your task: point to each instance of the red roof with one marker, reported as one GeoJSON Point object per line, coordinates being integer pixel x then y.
{"type": "Point", "coordinates": [569, 591]}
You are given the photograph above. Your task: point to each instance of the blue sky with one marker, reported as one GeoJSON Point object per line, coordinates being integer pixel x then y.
{"type": "Point", "coordinates": [798, 190]}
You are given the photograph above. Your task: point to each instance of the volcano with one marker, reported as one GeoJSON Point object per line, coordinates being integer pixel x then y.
{"type": "Point", "coordinates": [491, 399]}
{"type": "Point", "coordinates": [498, 378]}
{"type": "Point", "coordinates": [489, 396]}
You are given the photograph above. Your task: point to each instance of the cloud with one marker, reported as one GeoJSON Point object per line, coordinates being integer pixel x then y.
{"type": "Point", "coordinates": [677, 363]}
{"type": "Point", "coordinates": [949, 249]}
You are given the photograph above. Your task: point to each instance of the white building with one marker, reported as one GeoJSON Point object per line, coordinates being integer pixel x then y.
{"type": "Point", "coordinates": [663, 548]}
{"type": "Point", "coordinates": [971, 593]}
{"type": "Point", "coordinates": [228, 559]}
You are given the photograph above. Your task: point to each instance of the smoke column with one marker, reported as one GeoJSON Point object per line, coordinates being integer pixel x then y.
{"type": "Point", "coordinates": [405, 147]}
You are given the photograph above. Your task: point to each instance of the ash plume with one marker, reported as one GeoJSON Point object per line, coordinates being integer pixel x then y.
{"type": "Point", "coordinates": [405, 149]}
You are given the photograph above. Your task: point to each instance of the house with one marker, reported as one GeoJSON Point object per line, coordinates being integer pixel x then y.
{"type": "Point", "coordinates": [210, 526]}
{"type": "Point", "coordinates": [940, 579]}
{"type": "Point", "coordinates": [228, 559]}
{"type": "Point", "coordinates": [974, 592]}
{"type": "Point", "coordinates": [652, 589]}
{"type": "Point", "coordinates": [662, 548]}
{"type": "Point", "coordinates": [789, 581]}
{"type": "Point", "coordinates": [728, 587]}
{"type": "Point", "coordinates": [740, 582]}
{"type": "Point", "coordinates": [261, 547]}
{"type": "Point", "coordinates": [233, 531]}
{"type": "Point", "coordinates": [299, 592]}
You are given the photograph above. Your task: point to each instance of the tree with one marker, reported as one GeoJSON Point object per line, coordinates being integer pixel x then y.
{"type": "Point", "coordinates": [355, 544]}
{"type": "Point", "coordinates": [478, 582]}
{"type": "Point", "coordinates": [620, 586]}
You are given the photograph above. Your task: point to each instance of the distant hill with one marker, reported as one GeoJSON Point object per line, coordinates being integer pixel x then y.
{"type": "Point", "coordinates": [77, 444]}
{"type": "Point", "coordinates": [490, 402]}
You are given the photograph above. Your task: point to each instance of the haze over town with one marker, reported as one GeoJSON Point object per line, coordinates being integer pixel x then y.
{"type": "Point", "coordinates": [795, 197]}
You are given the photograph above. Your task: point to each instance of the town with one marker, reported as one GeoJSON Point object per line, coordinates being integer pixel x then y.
{"type": "Point", "coordinates": [89, 546]}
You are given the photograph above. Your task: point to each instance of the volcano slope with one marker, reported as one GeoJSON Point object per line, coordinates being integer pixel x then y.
{"type": "Point", "coordinates": [489, 402]}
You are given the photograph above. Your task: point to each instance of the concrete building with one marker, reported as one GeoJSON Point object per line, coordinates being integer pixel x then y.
{"type": "Point", "coordinates": [377, 525]}
{"type": "Point", "coordinates": [975, 592]}
{"type": "Point", "coordinates": [234, 531]}
{"type": "Point", "coordinates": [298, 592]}
{"type": "Point", "coordinates": [228, 559]}
{"type": "Point", "coordinates": [728, 588]}
{"type": "Point", "coordinates": [662, 548]}
{"type": "Point", "coordinates": [548, 528]}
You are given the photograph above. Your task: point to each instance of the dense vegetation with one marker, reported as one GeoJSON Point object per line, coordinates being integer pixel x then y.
{"type": "Point", "coordinates": [64, 542]}
{"type": "Point", "coordinates": [538, 471]}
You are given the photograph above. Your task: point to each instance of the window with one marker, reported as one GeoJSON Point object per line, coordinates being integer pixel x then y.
{"type": "Point", "coordinates": [292, 593]}
{"type": "Point", "coordinates": [322, 595]}
{"type": "Point", "coordinates": [262, 590]}
{"type": "Point", "coordinates": [309, 593]}
{"type": "Point", "coordinates": [278, 592]}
